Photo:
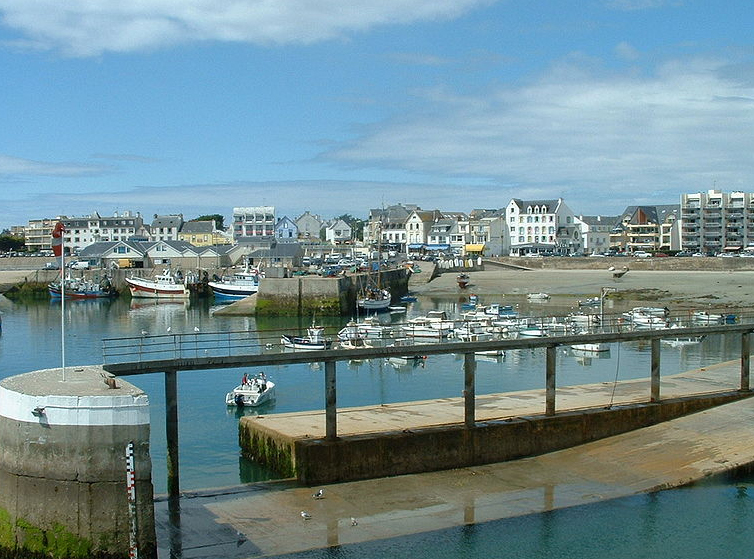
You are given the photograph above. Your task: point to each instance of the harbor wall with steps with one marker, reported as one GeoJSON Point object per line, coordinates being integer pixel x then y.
{"type": "Point", "coordinates": [63, 441]}
{"type": "Point", "coordinates": [364, 456]}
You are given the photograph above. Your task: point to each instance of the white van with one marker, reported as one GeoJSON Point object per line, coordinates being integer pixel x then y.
{"type": "Point", "coordinates": [79, 265]}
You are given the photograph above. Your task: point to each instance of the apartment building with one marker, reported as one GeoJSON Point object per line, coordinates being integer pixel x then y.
{"type": "Point", "coordinates": [647, 228]}
{"type": "Point", "coordinates": [715, 221]}
{"type": "Point", "coordinates": [253, 222]}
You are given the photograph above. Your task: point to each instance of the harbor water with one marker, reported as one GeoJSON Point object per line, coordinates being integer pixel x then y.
{"type": "Point", "coordinates": [707, 520]}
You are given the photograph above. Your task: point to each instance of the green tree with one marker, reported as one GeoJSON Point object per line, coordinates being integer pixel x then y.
{"type": "Point", "coordinates": [8, 243]}
{"type": "Point", "coordinates": [219, 220]}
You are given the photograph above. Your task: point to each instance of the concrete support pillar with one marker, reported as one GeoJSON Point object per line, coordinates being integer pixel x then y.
{"type": "Point", "coordinates": [63, 484]}
{"type": "Point", "coordinates": [331, 412]}
{"type": "Point", "coordinates": [745, 351]}
{"type": "Point", "coordinates": [655, 371]}
{"type": "Point", "coordinates": [469, 390]}
{"type": "Point", "coordinates": [171, 432]}
{"type": "Point", "coordinates": [550, 380]}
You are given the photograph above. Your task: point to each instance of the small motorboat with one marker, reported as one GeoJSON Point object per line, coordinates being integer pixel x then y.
{"type": "Point", "coordinates": [253, 391]}
{"type": "Point", "coordinates": [314, 340]}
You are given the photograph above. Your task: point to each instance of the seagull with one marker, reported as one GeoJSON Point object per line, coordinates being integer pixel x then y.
{"type": "Point", "coordinates": [354, 522]}
{"type": "Point", "coordinates": [169, 329]}
{"type": "Point", "coordinates": [305, 515]}
{"type": "Point", "coordinates": [144, 332]}
{"type": "Point", "coordinates": [196, 328]}
{"type": "Point", "coordinates": [611, 268]}
{"type": "Point", "coordinates": [319, 494]}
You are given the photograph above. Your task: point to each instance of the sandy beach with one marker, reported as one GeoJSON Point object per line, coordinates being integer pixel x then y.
{"type": "Point", "coordinates": [676, 289]}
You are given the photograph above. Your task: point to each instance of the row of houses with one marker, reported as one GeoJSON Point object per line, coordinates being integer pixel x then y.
{"type": "Point", "coordinates": [708, 222]}
{"type": "Point", "coordinates": [252, 223]}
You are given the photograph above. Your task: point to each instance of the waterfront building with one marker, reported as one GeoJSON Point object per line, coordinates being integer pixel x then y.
{"type": "Point", "coordinates": [286, 228]}
{"type": "Point", "coordinates": [309, 225]}
{"type": "Point", "coordinates": [81, 232]}
{"type": "Point", "coordinates": [202, 233]}
{"type": "Point", "coordinates": [542, 227]}
{"type": "Point", "coordinates": [441, 234]}
{"type": "Point", "coordinates": [417, 227]}
{"type": "Point", "coordinates": [387, 226]}
{"type": "Point", "coordinates": [595, 232]}
{"type": "Point", "coordinates": [338, 232]}
{"type": "Point", "coordinates": [253, 222]}
{"type": "Point", "coordinates": [487, 233]}
{"type": "Point", "coordinates": [716, 221]}
{"type": "Point", "coordinates": [646, 228]}
{"type": "Point", "coordinates": [165, 227]}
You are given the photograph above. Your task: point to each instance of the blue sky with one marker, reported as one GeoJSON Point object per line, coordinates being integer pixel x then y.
{"type": "Point", "coordinates": [335, 106]}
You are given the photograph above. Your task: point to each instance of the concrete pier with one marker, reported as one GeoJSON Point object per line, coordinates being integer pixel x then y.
{"type": "Point", "coordinates": [412, 437]}
{"type": "Point", "coordinates": [63, 480]}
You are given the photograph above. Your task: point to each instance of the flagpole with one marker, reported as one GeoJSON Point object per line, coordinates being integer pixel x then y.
{"type": "Point", "coordinates": [58, 249]}
{"type": "Point", "coordinates": [62, 307]}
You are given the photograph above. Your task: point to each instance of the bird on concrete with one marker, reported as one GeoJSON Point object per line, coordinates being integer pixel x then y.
{"type": "Point", "coordinates": [144, 332]}
{"type": "Point", "coordinates": [319, 494]}
{"type": "Point", "coordinates": [611, 268]}
{"type": "Point", "coordinates": [196, 328]}
{"type": "Point", "coordinates": [354, 522]}
{"type": "Point", "coordinates": [170, 328]}
{"type": "Point", "coordinates": [305, 515]}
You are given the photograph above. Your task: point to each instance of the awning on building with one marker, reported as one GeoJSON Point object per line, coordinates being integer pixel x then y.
{"type": "Point", "coordinates": [438, 247]}
{"type": "Point", "coordinates": [474, 248]}
{"type": "Point", "coordinates": [416, 245]}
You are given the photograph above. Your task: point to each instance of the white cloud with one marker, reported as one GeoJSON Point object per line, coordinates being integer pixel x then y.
{"type": "Point", "coordinates": [15, 166]}
{"type": "Point", "coordinates": [87, 27]}
{"type": "Point", "coordinates": [580, 134]}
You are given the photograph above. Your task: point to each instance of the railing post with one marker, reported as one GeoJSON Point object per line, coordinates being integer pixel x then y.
{"type": "Point", "coordinates": [550, 380]}
{"type": "Point", "coordinates": [745, 362]}
{"type": "Point", "coordinates": [469, 391]}
{"type": "Point", "coordinates": [655, 371]}
{"type": "Point", "coordinates": [171, 431]}
{"type": "Point", "coordinates": [331, 412]}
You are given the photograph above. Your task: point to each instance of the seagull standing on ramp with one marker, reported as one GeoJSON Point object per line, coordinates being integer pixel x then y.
{"type": "Point", "coordinates": [196, 329]}
{"type": "Point", "coordinates": [354, 522]}
{"type": "Point", "coordinates": [319, 494]}
{"type": "Point", "coordinates": [305, 515]}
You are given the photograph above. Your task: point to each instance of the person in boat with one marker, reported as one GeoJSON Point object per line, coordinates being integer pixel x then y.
{"type": "Point", "coordinates": [245, 380]}
{"type": "Point", "coordinates": [263, 382]}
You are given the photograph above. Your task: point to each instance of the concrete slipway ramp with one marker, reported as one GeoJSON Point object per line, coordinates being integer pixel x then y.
{"type": "Point", "coordinates": [264, 519]}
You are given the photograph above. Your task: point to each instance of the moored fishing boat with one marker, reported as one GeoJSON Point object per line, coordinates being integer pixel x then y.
{"type": "Point", "coordinates": [163, 286]}
{"type": "Point", "coordinates": [538, 296]}
{"type": "Point", "coordinates": [463, 280]}
{"type": "Point", "coordinates": [238, 286]}
{"type": "Point", "coordinates": [81, 288]}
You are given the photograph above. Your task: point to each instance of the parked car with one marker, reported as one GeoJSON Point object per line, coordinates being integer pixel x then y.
{"type": "Point", "coordinates": [641, 254]}
{"type": "Point", "coordinates": [79, 265]}
{"type": "Point", "coordinates": [51, 266]}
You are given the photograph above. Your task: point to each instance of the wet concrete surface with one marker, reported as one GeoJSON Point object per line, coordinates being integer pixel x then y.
{"type": "Point", "coordinates": [265, 519]}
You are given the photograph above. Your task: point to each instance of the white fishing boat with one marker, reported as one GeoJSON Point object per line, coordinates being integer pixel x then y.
{"type": "Point", "coordinates": [238, 286]}
{"type": "Point", "coordinates": [355, 343]}
{"type": "Point", "coordinates": [538, 296]}
{"type": "Point", "coordinates": [370, 327]}
{"type": "Point", "coordinates": [162, 286]}
{"type": "Point", "coordinates": [253, 391]}
{"type": "Point", "coordinates": [314, 340]}
{"type": "Point", "coordinates": [532, 332]}
{"type": "Point", "coordinates": [374, 299]}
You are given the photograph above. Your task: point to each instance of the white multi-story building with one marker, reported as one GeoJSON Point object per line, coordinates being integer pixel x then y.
{"type": "Point", "coordinates": [253, 222]}
{"type": "Point", "coordinates": [716, 221]}
{"type": "Point", "coordinates": [338, 232]}
{"type": "Point", "coordinates": [542, 226]}
{"type": "Point", "coordinates": [81, 232]}
{"type": "Point", "coordinates": [595, 231]}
